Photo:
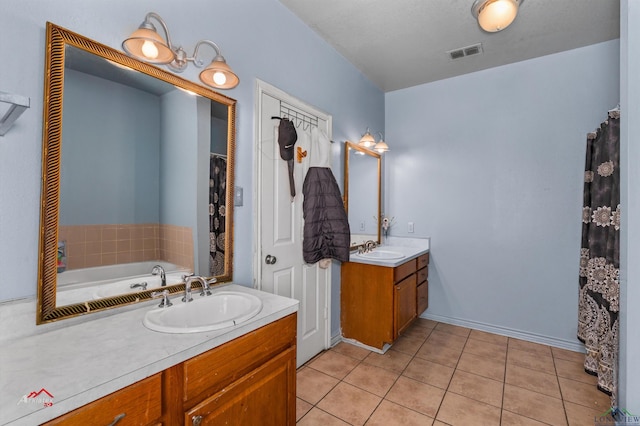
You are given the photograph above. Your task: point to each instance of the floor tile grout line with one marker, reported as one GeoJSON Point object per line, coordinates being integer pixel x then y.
{"type": "Point", "coordinates": [414, 356]}
{"type": "Point", "coordinates": [451, 378]}
{"type": "Point", "coordinates": [564, 406]}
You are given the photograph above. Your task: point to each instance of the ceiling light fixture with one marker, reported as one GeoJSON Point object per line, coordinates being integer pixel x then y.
{"type": "Point", "coordinates": [495, 15]}
{"type": "Point", "coordinates": [147, 45]}
{"type": "Point", "coordinates": [367, 140]}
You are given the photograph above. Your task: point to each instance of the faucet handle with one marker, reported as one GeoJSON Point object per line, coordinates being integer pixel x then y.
{"type": "Point", "coordinates": [185, 276]}
{"type": "Point", "coordinates": [205, 287]}
{"type": "Point", "coordinates": [165, 298]}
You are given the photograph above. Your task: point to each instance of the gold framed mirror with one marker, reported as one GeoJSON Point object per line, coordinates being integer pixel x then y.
{"type": "Point", "coordinates": [137, 170]}
{"type": "Point", "coordinates": [362, 193]}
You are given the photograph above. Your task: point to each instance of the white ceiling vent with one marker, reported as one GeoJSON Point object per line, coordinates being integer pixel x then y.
{"type": "Point", "coordinates": [474, 49]}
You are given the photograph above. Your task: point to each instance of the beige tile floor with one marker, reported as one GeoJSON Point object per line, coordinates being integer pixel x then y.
{"type": "Point", "coordinates": [440, 374]}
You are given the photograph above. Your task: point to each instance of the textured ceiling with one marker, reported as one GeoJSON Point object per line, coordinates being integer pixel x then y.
{"type": "Point", "coordinates": [403, 43]}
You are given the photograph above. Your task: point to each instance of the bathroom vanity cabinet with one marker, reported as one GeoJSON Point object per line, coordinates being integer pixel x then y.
{"type": "Point", "coordinates": [247, 380]}
{"type": "Point", "coordinates": [378, 303]}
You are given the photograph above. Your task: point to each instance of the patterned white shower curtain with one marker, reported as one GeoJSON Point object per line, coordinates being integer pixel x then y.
{"type": "Point", "coordinates": [599, 296]}
{"type": "Point", "coordinates": [217, 213]}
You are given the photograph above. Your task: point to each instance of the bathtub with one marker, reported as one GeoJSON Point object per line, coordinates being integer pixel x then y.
{"type": "Point", "coordinates": [80, 285]}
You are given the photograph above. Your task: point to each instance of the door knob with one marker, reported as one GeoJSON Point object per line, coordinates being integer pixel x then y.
{"type": "Point", "coordinates": [270, 260]}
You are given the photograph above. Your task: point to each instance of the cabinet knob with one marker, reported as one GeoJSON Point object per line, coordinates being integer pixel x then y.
{"type": "Point", "coordinates": [196, 420]}
{"type": "Point", "coordinates": [117, 418]}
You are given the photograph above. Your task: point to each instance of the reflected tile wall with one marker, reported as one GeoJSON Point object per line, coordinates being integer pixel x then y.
{"type": "Point", "coordinates": [101, 245]}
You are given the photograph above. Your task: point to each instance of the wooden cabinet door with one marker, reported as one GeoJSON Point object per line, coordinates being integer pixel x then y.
{"type": "Point", "coordinates": [404, 304]}
{"type": "Point", "coordinates": [423, 297]}
{"type": "Point", "coordinates": [266, 396]}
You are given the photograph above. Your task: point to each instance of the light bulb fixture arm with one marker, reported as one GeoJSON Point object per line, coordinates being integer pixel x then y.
{"type": "Point", "coordinates": [148, 25]}
{"type": "Point", "coordinates": [182, 59]}
{"type": "Point", "coordinates": [199, 62]}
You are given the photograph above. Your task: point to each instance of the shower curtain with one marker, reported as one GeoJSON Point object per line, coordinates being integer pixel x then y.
{"type": "Point", "coordinates": [217, 205]}
{"type": "Point", "coordinates": [599, 295]}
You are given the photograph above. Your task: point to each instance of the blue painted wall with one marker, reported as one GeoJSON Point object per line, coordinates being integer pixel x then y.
{"type": "Point", "coordinates": [110, 153]}
{"type": "Point", "coordinates": [259, 38]}
{"type": "Point", "coordinates": [490, 165]}
{"type": "Point", "coordinates": [179, 141]}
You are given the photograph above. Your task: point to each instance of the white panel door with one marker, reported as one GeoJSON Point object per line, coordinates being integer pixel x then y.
{"type": "Point", "coordinates": [282, 269]}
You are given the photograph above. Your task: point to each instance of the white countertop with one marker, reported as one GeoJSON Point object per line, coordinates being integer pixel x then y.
{"type": "Point", "coordinates": [409, 247]}
{"type": "Point", "coordinates": [90, 359]}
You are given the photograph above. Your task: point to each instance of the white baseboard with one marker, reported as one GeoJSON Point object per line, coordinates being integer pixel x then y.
{"type": "Point", "coordinates": [509, 332]}
{"type": "Point", "coordinates": [354, 342]}
{"type": "Point", "coordinates": [336, 339]}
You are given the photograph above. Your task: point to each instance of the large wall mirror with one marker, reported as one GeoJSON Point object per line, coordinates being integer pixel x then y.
{"type": "Point", "coordinates": [138, 170]}
{"type": "Point", "coordinates": [362, 192]}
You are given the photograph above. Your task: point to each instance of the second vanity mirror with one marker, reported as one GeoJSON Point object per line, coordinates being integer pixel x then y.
{"type": "Point", "coordinates": [138, 169]}
{"type": "Point", "coordinates": [362, 192]}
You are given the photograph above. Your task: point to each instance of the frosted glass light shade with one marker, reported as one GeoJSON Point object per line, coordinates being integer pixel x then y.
{"type": "Point", "coordinates": [147, 45]}
{"type": "Point", "coordinates": [381, 147]}
{"type": "Point", "coordinates": [219, 75]}
{"type": "Point", "coordinates": [367, 140]}
{"type": "Point", "coordinates": [495, 15]}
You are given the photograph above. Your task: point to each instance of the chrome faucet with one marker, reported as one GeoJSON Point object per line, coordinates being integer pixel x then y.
{"type": "Point", "coordinates": [165, 298]}
{"type": "Point", "coordinates": [142, 285]}
{"type": "Point", "coordinates": [187, 286]}
{"type": "Point", "coordinates": [205, 288]}
{"type": "Point", "coordinates": [158, 269]}
{"type": "Point", "coordinates": [367, 246]}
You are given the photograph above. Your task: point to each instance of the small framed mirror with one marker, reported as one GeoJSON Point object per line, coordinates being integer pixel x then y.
{"type": "Point", "coordinates": [362, 193]}
{"type": "Point", "coordinates": [137, 180]}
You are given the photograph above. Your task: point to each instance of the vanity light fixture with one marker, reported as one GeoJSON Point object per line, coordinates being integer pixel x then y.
{"type": "Point", "coordinates": [367, 140]}
{"type": "Point", "coordinates": [381, 146]}
{"type": "Point", "coordinates": [495, 15]}
{"type": "Point", "coordinates": [147, 45]}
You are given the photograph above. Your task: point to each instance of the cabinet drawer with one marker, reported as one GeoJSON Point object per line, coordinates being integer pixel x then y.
{"type": "Point", "coordinates": [423, 274]}
{"type": "Point", "coordinates": [140, 403]}
{"type": "Point", "coordinates": [210, 372]}
{"type": "Point", "coordinates": [423, 297]}
{"type": "Point", "coordinates": [423, 261]}
{"type": "Point", "coordinates": [404, 270]}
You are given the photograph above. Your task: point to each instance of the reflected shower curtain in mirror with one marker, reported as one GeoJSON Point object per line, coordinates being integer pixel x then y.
{"type": "Point", "coordinates": [217, 203]}
{"type": "Point", "coordinates": [599, 295]}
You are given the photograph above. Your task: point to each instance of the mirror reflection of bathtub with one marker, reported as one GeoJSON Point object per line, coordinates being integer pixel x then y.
{"type": "Point", "coordinates": [79, 285]}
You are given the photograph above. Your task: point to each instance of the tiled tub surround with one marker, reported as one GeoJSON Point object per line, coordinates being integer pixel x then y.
{"type": "Point", "coordinates": [440, 374]}
{"type": "Point", "coordinates": [83, 359]}
{"type": "Point", "coordinates": [100, 245]}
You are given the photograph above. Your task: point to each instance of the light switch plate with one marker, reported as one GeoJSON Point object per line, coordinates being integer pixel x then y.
{"type": "Point", "coordinates": [237, 198]}
{"type": "Point", "coordinates": [410, 228]}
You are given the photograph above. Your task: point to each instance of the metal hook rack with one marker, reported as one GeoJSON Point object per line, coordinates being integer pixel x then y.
{"type": "Point", "coordinates": [299, 118]}
{"type": "Point", "coordinates": [18, 105]}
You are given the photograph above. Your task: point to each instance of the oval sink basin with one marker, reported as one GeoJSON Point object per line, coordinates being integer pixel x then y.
{"type": "Point", "coordinates": [381, 255]}
{"type": "Point", "coordinates": [220, 310]}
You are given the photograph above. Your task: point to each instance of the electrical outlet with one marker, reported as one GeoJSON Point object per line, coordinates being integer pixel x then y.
{"type": "Point", "coordinates": [410, 227]}
{"type": "Point", "coordinates": [362, 226]}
